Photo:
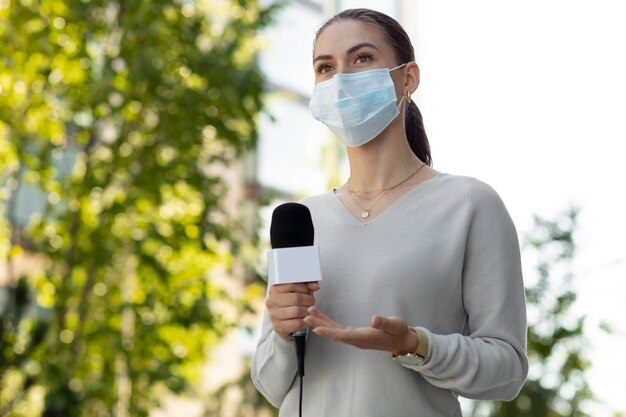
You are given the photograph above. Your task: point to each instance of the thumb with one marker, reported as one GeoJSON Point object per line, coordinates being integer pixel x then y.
{"type": "Point", "coordinates": [391, 325]}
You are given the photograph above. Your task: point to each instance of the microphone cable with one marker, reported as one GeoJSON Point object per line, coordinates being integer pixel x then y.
{"type": "Point", "coordinates": [299, 338]}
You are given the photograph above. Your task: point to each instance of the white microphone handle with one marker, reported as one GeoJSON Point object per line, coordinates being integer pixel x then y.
{"type": "Point", "coordinates": [294, 265]}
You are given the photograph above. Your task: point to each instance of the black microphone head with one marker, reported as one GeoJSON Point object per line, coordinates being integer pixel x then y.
{"type": "Point", "coordinates": [291, 226]}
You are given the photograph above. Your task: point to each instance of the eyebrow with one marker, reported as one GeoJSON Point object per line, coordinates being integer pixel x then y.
{"type": "Point", "coordinates": [348, 52]}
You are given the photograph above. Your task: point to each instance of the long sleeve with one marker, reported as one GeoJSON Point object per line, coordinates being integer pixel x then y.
{"type": "Point", "coordinates": [487, 361]}
{"type": "Point", "coordinates": [444, 257]}
{"type": "Point", "coordinates": [274, 364]}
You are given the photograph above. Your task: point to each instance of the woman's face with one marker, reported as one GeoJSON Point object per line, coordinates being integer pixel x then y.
{"type": "Point", "coordinates": [350, 46]}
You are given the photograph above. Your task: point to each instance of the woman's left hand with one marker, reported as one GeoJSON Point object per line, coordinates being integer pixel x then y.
{"type": "Point", "coordinates": [389, 334]}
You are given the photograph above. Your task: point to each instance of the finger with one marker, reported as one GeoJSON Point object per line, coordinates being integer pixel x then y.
{"type": "Point", "coordinates": [359, 337]}
{"type": "Point", "coordinates": [338, 334]}
{"type": "Point", "coordinates": [287, 288]}
{"type": "Point", "coordinates": [317, 318]}
{"type": "Point", "coordinates": [296, 299]}
{"type": "Point", "coordinates": [317, 322]}
{"type": "Point", "coordinates": [290, 299]}
{"type": "Point", "coordinates": [316, 312]}
{"type": "Point", "coordinates": [288, 313]}
{"type": "Point", "coordinates": [321, 318]}
{"type": "Point", "coordinates": [285, 328]}
{"type": "Point", "coordinates": [391, 325]}
{"type": "Point", "coordinates": [313, 286]}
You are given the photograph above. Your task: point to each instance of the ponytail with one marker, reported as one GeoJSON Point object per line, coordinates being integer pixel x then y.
{"type": "Point", "coordinates": [415, 133]}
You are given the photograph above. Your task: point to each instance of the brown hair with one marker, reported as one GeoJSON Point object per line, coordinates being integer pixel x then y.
{"type": "Point", "coordinates": [403, 51]}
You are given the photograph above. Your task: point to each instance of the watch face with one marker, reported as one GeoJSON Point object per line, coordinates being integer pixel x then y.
{"type": "Point", "coordinates": [410, 360]}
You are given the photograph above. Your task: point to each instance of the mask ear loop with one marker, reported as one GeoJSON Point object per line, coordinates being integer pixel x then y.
{"type": "Point", "coordinates": [399, 66]}
{"type": "Point", "coordinates": [406, 98]}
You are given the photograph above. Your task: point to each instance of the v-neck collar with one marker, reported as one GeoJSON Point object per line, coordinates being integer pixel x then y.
{"type": "Point", "coordinates": [345, 213]}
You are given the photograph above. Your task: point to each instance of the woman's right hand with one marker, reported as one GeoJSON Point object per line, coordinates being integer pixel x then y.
{"type": "Point", "coordinates": [287, 305]}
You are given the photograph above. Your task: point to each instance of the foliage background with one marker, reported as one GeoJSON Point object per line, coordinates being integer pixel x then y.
{"type": "Point", "coordinates": [117, 122]}
{"type": "Point", "coordinates": [558, 349]}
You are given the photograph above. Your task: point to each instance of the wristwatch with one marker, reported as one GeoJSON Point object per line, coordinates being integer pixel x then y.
{"type": "Point", "coordinates": [420, 355]}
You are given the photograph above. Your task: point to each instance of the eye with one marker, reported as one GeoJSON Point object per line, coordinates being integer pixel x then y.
{"type": "Point", "coordinates": [323, 68]}
{"type": "Point", "coordinates": [362, 58]}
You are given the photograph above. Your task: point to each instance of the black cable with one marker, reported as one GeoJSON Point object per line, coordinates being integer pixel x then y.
{"type": "Point", "coordinates": [300, 339]}
{"type": "Point", "coordinates": [301, 390]}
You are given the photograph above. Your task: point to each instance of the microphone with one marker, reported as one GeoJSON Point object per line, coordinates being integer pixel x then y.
{"type": "Point", "coordinates": [293, 258]}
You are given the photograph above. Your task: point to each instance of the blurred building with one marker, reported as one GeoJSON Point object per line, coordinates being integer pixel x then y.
{"type": "Point", "coordinates": [296, 155]}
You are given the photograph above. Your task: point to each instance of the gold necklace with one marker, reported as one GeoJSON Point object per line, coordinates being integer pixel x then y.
{"type": "Point", "coordinates": [365, 213]}
{"type": "Point", "coordinates": [373, 196]}
{"type": "Point", "coordinates": [380, 190]}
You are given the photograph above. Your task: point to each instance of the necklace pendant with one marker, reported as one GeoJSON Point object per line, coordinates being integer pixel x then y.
{"type": "Point", "coordinates": [365, 214]}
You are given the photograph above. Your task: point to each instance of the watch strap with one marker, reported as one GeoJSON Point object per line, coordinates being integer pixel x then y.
{"type": "Point", "coordinates": [421, 352]}
{"type": "Point", "coordinates": [422, 346]}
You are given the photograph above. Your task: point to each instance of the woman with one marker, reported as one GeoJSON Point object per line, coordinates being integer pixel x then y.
{"type": "Point", "coordinates": [430, 259]}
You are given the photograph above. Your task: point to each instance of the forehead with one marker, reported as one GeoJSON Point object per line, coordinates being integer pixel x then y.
{"type": "Point", "coordinates": [338, 37]}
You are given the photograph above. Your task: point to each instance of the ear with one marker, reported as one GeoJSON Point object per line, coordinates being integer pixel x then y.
{"type": "Point", "coordinates": [412, 79]}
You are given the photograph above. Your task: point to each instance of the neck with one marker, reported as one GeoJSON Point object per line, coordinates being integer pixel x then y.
{"type": "Point", "coordinates": [383, 161]}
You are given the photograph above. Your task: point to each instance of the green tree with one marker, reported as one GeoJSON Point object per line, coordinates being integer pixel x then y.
{"type": "Point", "coordinates": [557, 347]}
{"type": "Point", "coordinates": [116, 120]}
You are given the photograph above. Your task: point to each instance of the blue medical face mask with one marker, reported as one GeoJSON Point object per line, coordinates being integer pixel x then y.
{"type": "Point", "coordinates": [356, 107]}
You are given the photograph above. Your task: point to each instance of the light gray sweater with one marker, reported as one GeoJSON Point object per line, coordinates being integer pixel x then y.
{"type": "Point", "coordinates": [444, 257]}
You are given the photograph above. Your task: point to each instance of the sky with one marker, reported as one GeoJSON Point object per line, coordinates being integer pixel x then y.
{"type": "Point", "coordinates": [529, 97]}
